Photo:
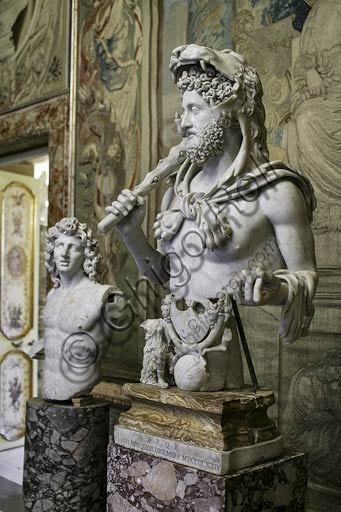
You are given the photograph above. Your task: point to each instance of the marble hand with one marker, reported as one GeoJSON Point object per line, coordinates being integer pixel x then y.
{"type": "Point", "coordinates": [217, 348]}
{"type": "Point", "coordinates": [214, 227]}
{"type": "Point", "coordinates": [129, 209]}
{"type": "Point", "coordinates": [257, 287]}
{"type": "Point", "coordinates": [128, 199]}
{"type": "Point", "coordinates": [166, 230]}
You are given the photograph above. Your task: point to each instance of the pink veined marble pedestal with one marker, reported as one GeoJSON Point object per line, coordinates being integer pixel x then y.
{"type": "Point", "coordinates": [138, 482]}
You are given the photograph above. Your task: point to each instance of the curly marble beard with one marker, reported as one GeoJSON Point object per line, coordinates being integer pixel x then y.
{"type": "Point", "coordinates": [211, 141]}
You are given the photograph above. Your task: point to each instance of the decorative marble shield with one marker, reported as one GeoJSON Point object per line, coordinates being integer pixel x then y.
{"type": "Point", "coordinates": [190, 319]}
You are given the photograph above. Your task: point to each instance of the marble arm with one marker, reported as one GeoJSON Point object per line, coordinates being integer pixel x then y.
{"type": "Point", "coordinates": [210, 343]}
{"type": "Point", "coordinates": [151, 263]}
{"type": "Point", "coordinates": [298, 310]}
{"type": "Point", "coordinates": [294, 237]}
{"type": "Point", "coordinates": [127, 200]}
{"type": "Point", "coordinates": [293, 290]}
{"type": "Point", "coordinates": [127, 213]}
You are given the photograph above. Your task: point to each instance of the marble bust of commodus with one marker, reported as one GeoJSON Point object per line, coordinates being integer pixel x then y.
{"type": "Point", "coordinates": [80, 315]}
{"type": "Point", "coordinates": [224, 205]}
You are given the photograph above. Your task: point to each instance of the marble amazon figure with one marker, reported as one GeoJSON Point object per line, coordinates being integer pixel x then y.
{"type": "Point", "coordinates": [225, 204]}
{"type": "Point", "coordinates": [80, 316]}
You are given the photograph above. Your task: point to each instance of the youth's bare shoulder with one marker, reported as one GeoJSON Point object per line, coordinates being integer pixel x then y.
{"type": "Point", "coordinates": [284, 202]}
{"type": "Point", "coordinates": [52, 293]}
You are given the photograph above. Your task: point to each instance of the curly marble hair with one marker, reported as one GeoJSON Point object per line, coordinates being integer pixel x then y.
{"type": "Point", "coordinates": [215, 88]}
{"type": "Point", "coordinates": [71, 226]}
{"type": "Point", "coordinates": [210, 84]}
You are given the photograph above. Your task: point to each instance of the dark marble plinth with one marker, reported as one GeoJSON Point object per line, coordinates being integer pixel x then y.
{"type": "Point", "coordinates": [143, 483]}
{"type": "Point", "coordinates": [65, 457]}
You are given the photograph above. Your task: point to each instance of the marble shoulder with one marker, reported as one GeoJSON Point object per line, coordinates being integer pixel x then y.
{"type": "Point", "coordinates": [282, 182]}
{"type": "Point", "coordinates": [103, 291]}
{"type": "Point", "coordinates": [51, 294]}
{"type": "Point", "coordinates": [283, 189]}
{"type": "Point", "coordinates": [284, 200]}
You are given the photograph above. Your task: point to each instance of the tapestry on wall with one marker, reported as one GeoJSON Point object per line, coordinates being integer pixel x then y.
{"type": "Point", "coordinates": [295, 46]}
{"type": "Point", "coordinates": [34, 46]}
{"type": "Point", "coordinates": [116, 140]}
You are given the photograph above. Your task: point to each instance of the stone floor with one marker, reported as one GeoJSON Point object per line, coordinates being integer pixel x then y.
{"type": "Point", "coordinates": [10, 496]}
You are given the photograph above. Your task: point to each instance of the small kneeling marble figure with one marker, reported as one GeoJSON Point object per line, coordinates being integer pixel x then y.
{"type": "Point", "coordinates": [80, 315]}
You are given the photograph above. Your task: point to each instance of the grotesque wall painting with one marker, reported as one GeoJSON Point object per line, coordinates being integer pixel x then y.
{"type": "Point", "coordinates": [16, 304]}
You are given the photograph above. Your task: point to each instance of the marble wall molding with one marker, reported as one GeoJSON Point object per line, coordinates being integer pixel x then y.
{"type": "Point", "coordinates": [45, 124]}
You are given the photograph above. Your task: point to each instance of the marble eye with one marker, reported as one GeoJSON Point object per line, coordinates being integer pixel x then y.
{"type": "Point", "coordinates": [76, 248]}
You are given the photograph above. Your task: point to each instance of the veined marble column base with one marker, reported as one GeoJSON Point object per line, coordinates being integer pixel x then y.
{"type": "Point", "coordinates": [222, 420]}
{"type": "Point", "coordinates": [213, 461]}
{"type": "Point", "coordinates": [138, 482]}
{"type": "Point", "coordinates": [65, 456]}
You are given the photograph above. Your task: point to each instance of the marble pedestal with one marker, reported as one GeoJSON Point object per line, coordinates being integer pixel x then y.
{"type": "Point", "coordinates": [139, 482]}
{"type": "Point", "coordinates": [65, 456]}
{"type": "Point", "coordinates": [217, 432]}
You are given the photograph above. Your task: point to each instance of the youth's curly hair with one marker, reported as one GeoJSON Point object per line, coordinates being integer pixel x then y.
{"type": "Point", "coordinates": [71, 226]}
{"type": "Point", "coordinates": [215, 88]}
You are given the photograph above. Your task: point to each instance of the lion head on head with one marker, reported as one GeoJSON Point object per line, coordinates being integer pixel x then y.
{"type": "Point", "coordinates": [226, 82]}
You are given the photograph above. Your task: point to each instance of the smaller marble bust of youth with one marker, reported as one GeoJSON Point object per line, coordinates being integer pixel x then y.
{"type": "Point", "coordinates": [80, 315]}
